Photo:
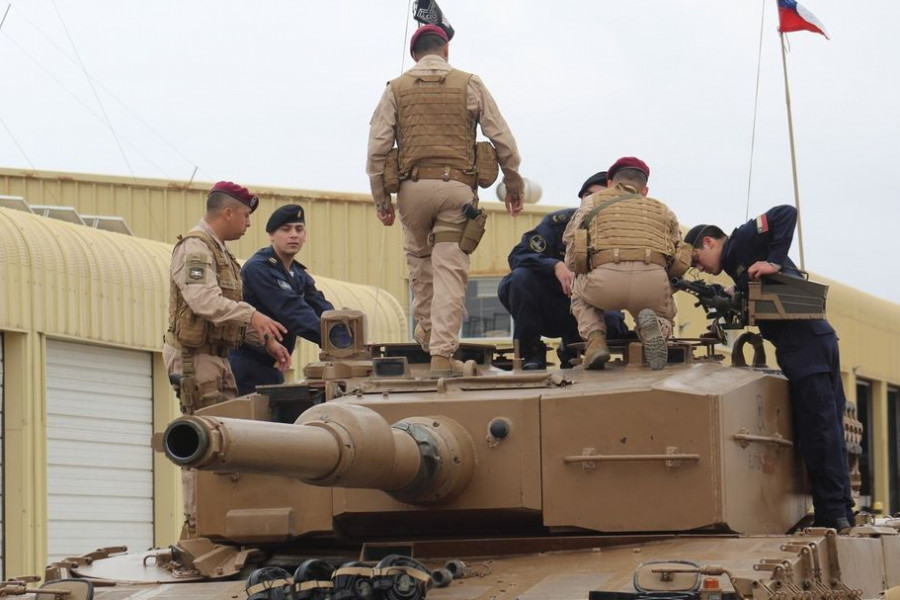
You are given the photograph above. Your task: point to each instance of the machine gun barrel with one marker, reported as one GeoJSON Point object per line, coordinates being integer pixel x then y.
{"type": "Point", "coordinates": [342, 445]}
{"type": "Point", "coordinates": [713, 298]}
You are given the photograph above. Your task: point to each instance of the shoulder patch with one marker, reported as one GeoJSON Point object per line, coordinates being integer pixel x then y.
{"type": "Point", "coordinates": [762, 224]}
{"type": "Point", "coordinates": [195, 267]}
{"type": "Point", "coordinates": [537, 243]}
{"type": "Point", "coordinates": [562, 216]}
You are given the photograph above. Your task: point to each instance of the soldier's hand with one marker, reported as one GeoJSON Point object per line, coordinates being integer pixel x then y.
{"type": "Point", "coordinates": [385, 214]}
{"type": "Point", "coordinates": [280, 354]}
{"type": "Point", "coordinates": [761, 268]}
{"type": "Point", "coordinates": [515, 194]}
{"type": "Point", "coordinates": [513, 204]}
{"type": "Point", "coordinates": [268, 328]}
{"type": "Point", "coordinates": [564, 276]}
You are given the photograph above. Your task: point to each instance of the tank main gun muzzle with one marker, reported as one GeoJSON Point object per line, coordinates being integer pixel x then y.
{"type": "Point", "coordinates": [420, 460]}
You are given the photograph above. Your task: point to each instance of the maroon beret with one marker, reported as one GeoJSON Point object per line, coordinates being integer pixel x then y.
{"type": "Point", "coordinates": [628, 162]}
{"type": "Point", "coordinates": [427, 29]}
{"type": "Point", "coordinates": [238, 192]}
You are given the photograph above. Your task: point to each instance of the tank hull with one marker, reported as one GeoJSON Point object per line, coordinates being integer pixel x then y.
{"type": "Point", "coordinates": [605, 564]}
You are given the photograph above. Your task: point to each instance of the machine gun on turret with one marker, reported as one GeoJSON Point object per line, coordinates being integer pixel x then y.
{"type": "Point", "coordinates": [726, 311]}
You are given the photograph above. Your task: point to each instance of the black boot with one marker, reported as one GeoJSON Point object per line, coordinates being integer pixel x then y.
{"type": "Point", "coordinates": [566, 356]}
{"type": "Point", "coordinates": [534, 356]}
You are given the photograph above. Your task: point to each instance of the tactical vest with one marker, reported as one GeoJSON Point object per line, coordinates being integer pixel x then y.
{"type": "Point", "coordinates": [632, 227]}
{"type": "Point", "coordinates": [630, 221]}
{"type": "Point", "coordinates": [189, 330]}
{"type": "Point", "coordinates": [434, 128]}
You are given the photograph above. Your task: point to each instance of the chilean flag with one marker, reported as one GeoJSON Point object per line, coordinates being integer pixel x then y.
{"type": "Point", "coordinates": [793, 17]}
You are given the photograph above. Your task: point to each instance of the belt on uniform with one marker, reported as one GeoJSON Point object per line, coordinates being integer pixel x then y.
{"type": "Point", "coordinates": [442, 173]}
{"type": "Point", "coordinates": [220, 350]}
{"type": "Point", "coordinates": [603, 257]}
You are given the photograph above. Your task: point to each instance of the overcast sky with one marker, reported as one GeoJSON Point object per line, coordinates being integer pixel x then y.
{"type": "Point", "coordinates": [280, 93]}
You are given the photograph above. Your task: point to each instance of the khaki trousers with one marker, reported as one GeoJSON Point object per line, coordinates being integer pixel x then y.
{"type": "Point", "coordinates": [627, 285]}
{"type": "Point", "coordinates": [216, 381]}
{"type": "Point", "coordinates": [438, 273]}
{"type": "Point", "coordinates": [212, 374]}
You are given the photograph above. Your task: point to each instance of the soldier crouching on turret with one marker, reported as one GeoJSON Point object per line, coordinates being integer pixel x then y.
{"type": "Point", "coordinates": [536, 292]}
{"type": "Point", "coordinates": [624, 248]}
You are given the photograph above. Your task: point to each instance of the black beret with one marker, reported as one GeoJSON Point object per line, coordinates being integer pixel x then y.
{"type": "Point", "coordinates": [694, 237]}
{"type": "Point", "coordinates": [289, 213]}
{"type": "Point", "coordinates": [595, 179]}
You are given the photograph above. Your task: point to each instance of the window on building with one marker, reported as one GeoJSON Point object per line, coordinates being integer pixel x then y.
{"type": "Point", "coordinates": [893, 400]}
{"type": "Point", "coordinates": [864, 414]}
{"type": "Point", "coordinates": [485, 316]}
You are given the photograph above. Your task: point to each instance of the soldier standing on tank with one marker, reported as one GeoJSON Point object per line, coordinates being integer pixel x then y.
{"type": "Point", "coordinates": [624, 247]}
{"type": "Point", "coordinates": [806, 350]}
{"type": "Point", "coordinates": [207, 317]}
{"type": "Point", "coordinates": [537, 289]}
{"type": "Point", "coordinates": [431, 112]}
{"type": "Point", "coordinates": [279, 286]}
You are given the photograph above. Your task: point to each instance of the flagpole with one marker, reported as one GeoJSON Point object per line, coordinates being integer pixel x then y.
{"type": "Point", "coordinates": [787, 98]}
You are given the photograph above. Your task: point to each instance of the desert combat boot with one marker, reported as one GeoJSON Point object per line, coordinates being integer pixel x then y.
{"type": "Point", "coordinates": [445, 366]}
{"type": "Point", "coordinates": [656, 353]}
{"type": "Point", "coordinates": [422, 336]}
{"type": "Point", "coordinates": [596, 352]}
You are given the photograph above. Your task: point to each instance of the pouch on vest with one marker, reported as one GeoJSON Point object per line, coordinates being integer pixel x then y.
{"type": "Point", "coordinates": [580, 245]}
{"type": "Point", "coordinates": [472, 234]}
{"type": "Point", "coordinates": [189, 396]}
{"type": "Point", "coordinates": [392, 172]}
{"type": "Point", "coordinates": [190, 329]}
{"type": "Point", "coordinates": [486, 165]}
{"type": "Point", "coordinates": [681, 261]}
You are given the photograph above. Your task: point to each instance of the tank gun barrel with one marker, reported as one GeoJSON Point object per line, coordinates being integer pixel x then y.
{"type": "Point", "coordinates": [417, 460]}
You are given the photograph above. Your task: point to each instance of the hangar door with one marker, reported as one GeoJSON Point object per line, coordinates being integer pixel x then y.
{"type": "Point", "coordinates": [99, 461]}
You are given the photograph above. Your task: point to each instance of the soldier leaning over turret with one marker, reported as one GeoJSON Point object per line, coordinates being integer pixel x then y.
{"type": "Point", "coordinates": [624, 248]}
{"type": "Point", "coordinates": [806, 350]}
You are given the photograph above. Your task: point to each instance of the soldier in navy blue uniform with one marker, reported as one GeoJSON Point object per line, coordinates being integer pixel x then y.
{"type": "Point", "coordinates": [279, 286]}
{"type": "Point", "coordinates": [806, 350]}
{"type": "Point", "coordinates": [536, 291]}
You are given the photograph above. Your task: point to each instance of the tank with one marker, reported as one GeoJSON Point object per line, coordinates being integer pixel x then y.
{"type": "Point", "coordinates": [368, 480]}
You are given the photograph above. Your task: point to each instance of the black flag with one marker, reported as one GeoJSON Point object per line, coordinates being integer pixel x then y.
{"type": "Point", "coordinates": [427, 12]}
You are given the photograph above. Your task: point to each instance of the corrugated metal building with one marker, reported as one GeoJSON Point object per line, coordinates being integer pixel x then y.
{"type": "Point", "coordinates": [82, 314]}
{"type": "Point", "coordinates": [85, 298]}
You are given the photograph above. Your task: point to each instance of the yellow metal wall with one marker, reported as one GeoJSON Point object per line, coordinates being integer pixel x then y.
{"type": "Point", "coordinates": [67, 281]}
{"type": "Point", "coordinates": [345, 240]}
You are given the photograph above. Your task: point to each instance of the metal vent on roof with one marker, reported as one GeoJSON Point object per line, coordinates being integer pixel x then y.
{"type": "Point", "coordinates": [15, 203]}
{"type": "Point", "coordinates": [60, 213]}
{"type": "Point", "coordinates": [67, 214]}
{"type": "Point", "coordinates": [116, 224]}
